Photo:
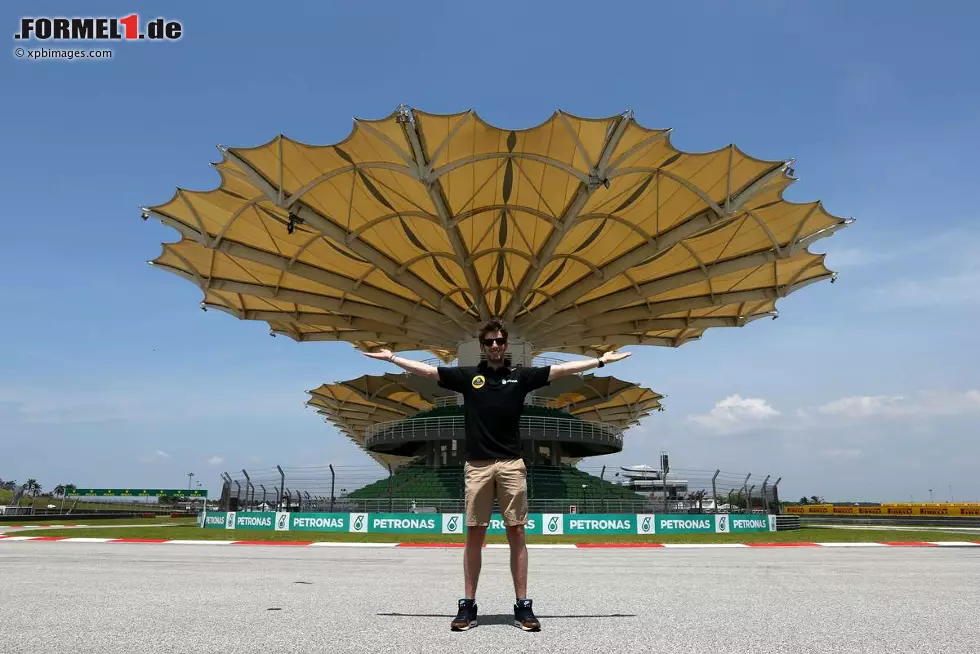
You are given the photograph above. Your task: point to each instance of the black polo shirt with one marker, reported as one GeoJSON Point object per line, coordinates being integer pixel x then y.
{"type": "Point", "coordinates": [493, 403]}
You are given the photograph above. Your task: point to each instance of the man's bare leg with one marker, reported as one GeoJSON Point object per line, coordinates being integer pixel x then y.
{"type": "Point", "coordinates": [518, 559]}
{"type": "Point", "coordinates": [473, 558]}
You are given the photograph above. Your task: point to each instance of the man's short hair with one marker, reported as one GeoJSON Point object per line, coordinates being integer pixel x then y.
{"type": "Point", "coordinates": [493, 325]}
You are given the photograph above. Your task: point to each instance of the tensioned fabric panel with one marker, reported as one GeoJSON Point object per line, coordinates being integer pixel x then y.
{"type": "Point", "coordinates": [585, 234]}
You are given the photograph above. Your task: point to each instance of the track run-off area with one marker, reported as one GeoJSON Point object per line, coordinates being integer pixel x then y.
{"type": "Point", "coordinates": [148, 597]}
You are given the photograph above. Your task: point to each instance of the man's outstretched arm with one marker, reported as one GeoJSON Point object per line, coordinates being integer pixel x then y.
{"type": "Point", "coordinates": [414, 367]}
{"type": "Point", "coordinates": [575, 367]}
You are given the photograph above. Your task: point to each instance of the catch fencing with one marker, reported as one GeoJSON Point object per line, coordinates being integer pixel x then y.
{"type": "Point", "coordinates": [551, 489]}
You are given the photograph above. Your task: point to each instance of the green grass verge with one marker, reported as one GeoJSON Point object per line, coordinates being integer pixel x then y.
{"type": "Point", "coordinates": [81, 504]}
{"type": "Point", "coordinates": [82, 520]}
{"type": "Point", "coordinates": [804, 535]}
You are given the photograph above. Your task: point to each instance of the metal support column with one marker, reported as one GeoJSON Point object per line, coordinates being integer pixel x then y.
{"type": "Point", "coordinates": [714, 489]}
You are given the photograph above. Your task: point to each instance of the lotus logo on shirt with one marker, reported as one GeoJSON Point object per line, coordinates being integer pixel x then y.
{"type": "Point", "coordinates": [479, 381]}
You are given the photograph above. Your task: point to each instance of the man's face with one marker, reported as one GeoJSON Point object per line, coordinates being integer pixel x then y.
{"type": "Point", "coordinates": [494, 346]}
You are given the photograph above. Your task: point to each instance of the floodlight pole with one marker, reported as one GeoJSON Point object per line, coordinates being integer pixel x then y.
{"type": "Point", "coordinates": [391, 482]}
{"type": "Point", "coordinates": [248, 484]}
{"type": "Point", "coordinates": [602, 488]}
{"type": "Point", "coordinates": [714, 489]}
{"type": "Point", "coordinates": [282, 481]}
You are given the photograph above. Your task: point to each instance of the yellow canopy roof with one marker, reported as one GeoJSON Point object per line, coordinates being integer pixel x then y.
{"type": "Point", "coordinates": [584, 234]}
{"type": "Point", "coordinates": [354, 405]}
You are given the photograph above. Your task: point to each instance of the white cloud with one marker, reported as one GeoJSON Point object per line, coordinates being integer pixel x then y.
{"type": "Point", "coordinates": [735, 413]}
{"type": "Point", "coordinates": [215, 461]}
{"type": "Point", "coordinates": [862, 406]}
{"type": "Point", "coordinates": [156, 456]}
{"type": "Point", "coordinates": [961, 288]}
{"type": "Point", "coordinates": [152, 402]}
{"type": "Point", "coordinates": [924, 403]}
{"type": "Point", "coordinates": [841, 453]}
{"type": "Point", "coordinates": [942, 271]}
{"type": "Point", "coordinates": [852, 257]}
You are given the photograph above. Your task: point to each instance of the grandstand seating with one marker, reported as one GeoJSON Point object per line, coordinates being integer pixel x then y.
{"type": "Point", "coordinates": [419, 481]}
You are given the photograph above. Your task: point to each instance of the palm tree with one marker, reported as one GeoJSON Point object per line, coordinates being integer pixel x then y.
{"type": "Point", "coordinates": [59, 490]}
{"type": "Point", "coordinates": [33, 488]}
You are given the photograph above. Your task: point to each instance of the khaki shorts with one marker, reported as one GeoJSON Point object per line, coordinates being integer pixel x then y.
{"type": "Point", "coordinates": [507, 479]}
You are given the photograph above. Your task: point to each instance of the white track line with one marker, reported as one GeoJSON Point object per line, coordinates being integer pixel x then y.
{"type": "Point", "coordinates": [542, 546]}
{"type": "Point", "coordinates": [703, 545]}
{"type": "Point", "coordinates": [341, 544]}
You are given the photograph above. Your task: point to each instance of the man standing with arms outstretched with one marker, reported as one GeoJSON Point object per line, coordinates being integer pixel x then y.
{"type": "Point", "coordinates": [493, 396]}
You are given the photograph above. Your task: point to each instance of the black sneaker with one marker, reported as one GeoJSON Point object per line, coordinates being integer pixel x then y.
{"type": "Point", "coordinates": [466, 617]}
{"type": "Point", "coordinates": [524, 616]}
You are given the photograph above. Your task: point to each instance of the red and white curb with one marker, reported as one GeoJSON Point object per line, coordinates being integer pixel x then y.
{"type": "Point", "coordinates": [540, 546]}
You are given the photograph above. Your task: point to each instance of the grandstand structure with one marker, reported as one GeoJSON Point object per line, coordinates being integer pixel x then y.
{"type": "Point", "coordinates": [403, 418]}
{"type": "Point", "coordinates": [584, 234]}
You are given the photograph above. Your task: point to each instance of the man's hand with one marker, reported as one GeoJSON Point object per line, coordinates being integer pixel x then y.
{"type": "Point", "coordinates": [613, 357]}
{"type": "Point", "coordinates": [384, 355]}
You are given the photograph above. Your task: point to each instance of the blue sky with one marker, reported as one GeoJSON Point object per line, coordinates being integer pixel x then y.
{"type": "Point", "coordinates": [110, 375]}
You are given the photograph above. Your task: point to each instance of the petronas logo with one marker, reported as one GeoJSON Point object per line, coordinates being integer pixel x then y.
{"type": "Point", "coordinates": [553, 523]}
{"type": "Point", "coordinates": [453, 523]}
{"type": "Point", "coordinates": [283, 522]}
{"type": "Point", "coordinates": [359, 523]}
{"type": "Point", "coordinates": [646, 524]}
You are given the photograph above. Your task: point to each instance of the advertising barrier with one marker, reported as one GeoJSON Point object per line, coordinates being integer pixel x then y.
{"type": "Point", "coordinates": [454, 523]}
{"type": "Point", "coordinates": [955, 510]}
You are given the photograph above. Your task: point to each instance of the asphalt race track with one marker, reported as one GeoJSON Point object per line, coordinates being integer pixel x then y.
{"type": "Point", "coordinates": [93, 597]}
